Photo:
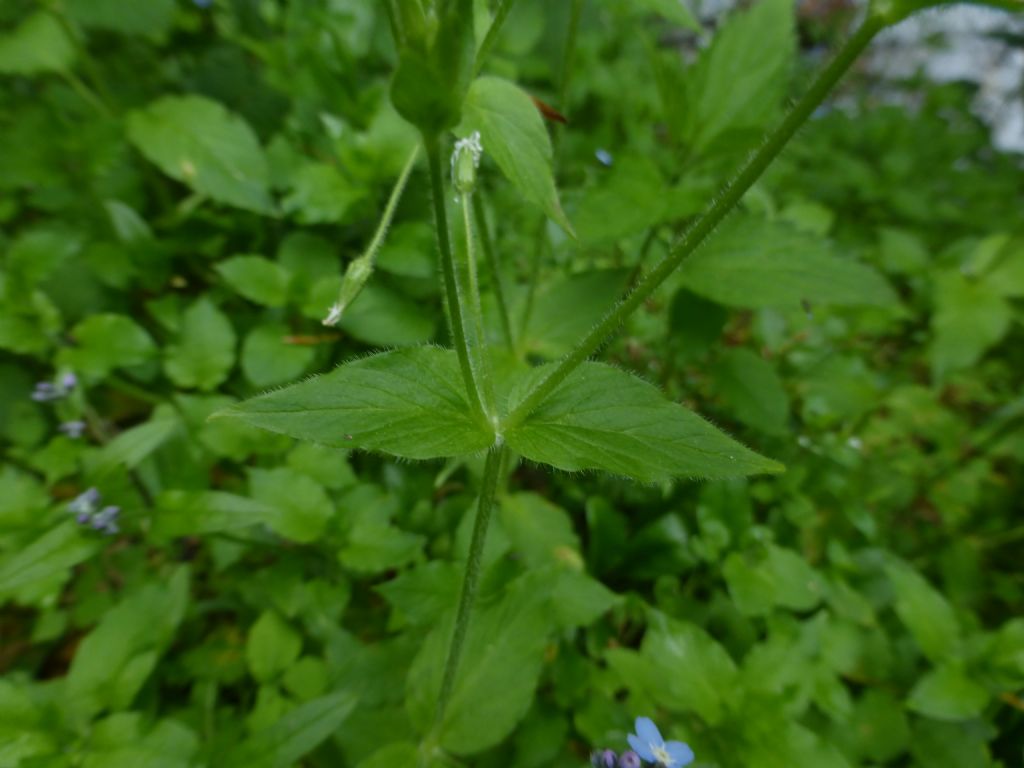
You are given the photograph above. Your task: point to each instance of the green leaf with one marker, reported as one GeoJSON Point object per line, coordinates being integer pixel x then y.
{"type": "Point", "coordinates": [408, 403]}
{"type": "Point", "coordinates": [513, 133]}
{"type": "Point", "coordinates": [112, 663]}
{"type": "Point", "coordinates": [106, 341]}
{"type": "Point", "coordinates": [384, 317]}
{"type": "Point", "coordinates": [970, 317]}
{"type": "Point", "coordinates": [38, 44]}
{"type": "Point", "coordinates": [303, 507]}
{"type": "Point", "coordinates": [599, 213]}
{"type": "Point", "coordinates": [257, 279]}
{"type": "Point", "coordinates": [191, 513]}
{"type": "Point", "coordinates": [205, 350]}
{"type": "Point", "coordinates": [297, 733]}
{"type": "Point", "coordinates": [752, 262]}
{"type": "Point", "coordinates": [133, 446]}
{"type": "Point", "coordinates": [948, 693]}
{"type": "Point", "coordinates": [579, 600]}
{"type": "Point", "coordinates": [152, 18]}
{"type": "Point", "coordinates": [925, 612]}
{"type": "Point", "coordinates": [424, 593]}
{"type": "Point", "coordinates": [689, 671]}
{"type": "Point", "coordinates": [739, 83]}
{"type": "Point", "coordinates": [540, 532]}
{"type": "Point", "coordinates": [320, 194]}
{"type": "Point", "coordinates": [272, 647]}
{"type": "Point", "coordinates": [198, 142]}
{"type": "Point", "coordinates": [753, 390]}
{"type": "Point", "coordinates": [51, 555]}
{"type": "Point", "coordinates": [375, 545]}
{"type": "Point", "coordinates": [604, 418]}
{"type": "Point", "coordinates": [552, 331]}
{"type": "Point", "coordinates": [267, 360]}
{"type": "Point", "coordinates": [499, 671]}
{"type": "Point", "coordinates": [781, 579]}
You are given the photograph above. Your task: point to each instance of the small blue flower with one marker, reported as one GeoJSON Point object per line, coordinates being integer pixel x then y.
{"type": "Point", "coordinates": [85, 503]}
{"type": "Point", "coordinates": [203, 3]}
{"type": "Point", "coordinates": [106, 520]}
{"type": "Point", "coordinates": [47, 391]}
{"type": "Point", "coordinates": [85, 508]}
{"type": "Point", "coordinates": [604, 157]}
{"type": "Point", "coordinates": [629, 759]}
{"type": "Point", "coordinates": [651, 747]}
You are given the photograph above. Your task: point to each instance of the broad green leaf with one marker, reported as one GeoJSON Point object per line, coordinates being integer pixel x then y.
{"type": "Point", "coordinates": [257, 279]}
{"type": "Point", "coordinates": [499, 671]}
{"type": "Point", "coordinates": [603, 418]}
{"type": "Point", "coordinates": [598, 211]}
{"type": "Point", "coordinates": [49, 556]}
{"type": "Point", "coordinates": [105, 342]}
{"type": "Point", "coordinates": [400, 753]}
{"type": "Point", "coordinates": [320, 194]}
{"type": "Point", "coordinates": [880, 730]}
{"type": "Point", "coordinates": [424, 593]}
{"type": "Point", "coordinates": [513, 133]}
{"type": "Point", "coordinates": [948, 693]}
{"type": "Point", "coordinates": [753, 390]}
{"type": "Point", "coordinates": [408, 403]}
{"type": "Point", "coordinates": [297, 733]}
{"type": "Point", "coordinates": [689, 671]}
{"type": "Point", "coordinates": [267, 360]}
{"type": "Point", "coordinates": [970, 317]}
{"type": "Point", "coordinates": [152, 18]}
{"type": "Point", "coordinates": [192, 513]}
{"type": "Point", "coordinates": [272, 647]}
{"type": "Point", "coordinates": [38, 44]}
{"type": "Point", "coordinates": [384, 317]}
{"type": "Point", "coordinates": [198, 142]}
{"type": "Point", "coordinates": [302, 505]}
{"type": "Point", "coordinates": [205, 350]}
{"type": "Point", "coordinates": [112, 663]}
{"type": "Point", "coordinates": [376, 545]}
{"type": "Point", "coordinates": [739, 83]}
{"type": "Point", "coordinates": [752, 262]}
{"type": "Point", "coordinates": [925, 612]}
{"type": "Point", "coordinates": [934, 742]}
{"type": "Point", "coordinates": [552, 331]}
{"type": "Point", "coordinates": [781, 578]}
{"type": "Point", "coordinates": [540, 532]}
{"type": "Point", "coordinates": [579, 600]}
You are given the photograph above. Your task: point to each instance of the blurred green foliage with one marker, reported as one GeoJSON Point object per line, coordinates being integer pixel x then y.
{"type": "Point", "coordinates": [181, 187]}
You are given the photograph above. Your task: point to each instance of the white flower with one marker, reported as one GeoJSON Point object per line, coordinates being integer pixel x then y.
{"type": "Point", "coordinates": [333, 315]}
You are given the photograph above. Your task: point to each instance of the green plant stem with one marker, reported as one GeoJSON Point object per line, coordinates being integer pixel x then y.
{"type": "Point", "coordinates": [470, 579]}
{"type": "Point", "coordinates": [478, 343]}
{"type": "Point", "coordinates": [492, 34]}
{"type": "Point", "coordinates": [723, 203]}
{"type": "Point", "coordinates": [369, 256]}
{"type": "Point", "coordinates": [98, 92]}
{"type": "Point", "coordinates": [569, 54]}
{"type": "Point", "coordinates": [484, 234]}
{"type": "Point", "coordinates": [456, 302]}
{"type": "Point", "coordinates": [534, 277]}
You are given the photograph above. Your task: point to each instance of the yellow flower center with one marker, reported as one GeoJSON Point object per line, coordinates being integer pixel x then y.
{"type": "Point", "coordinates": [661, 755]}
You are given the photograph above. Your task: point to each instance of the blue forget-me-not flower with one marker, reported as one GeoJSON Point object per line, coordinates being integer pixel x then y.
{"type": "Point", "coordinates": [85, 508]}
{"type": "Point", "coordinates": [649, 744]}
{"type": "Point", "coordinates": [47, 391]}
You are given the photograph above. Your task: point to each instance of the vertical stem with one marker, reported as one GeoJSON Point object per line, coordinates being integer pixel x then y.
{"type": "Point", "coordinates": [569, 53]}
{"type": "Point", "coordinates": [492, 264]}
{"type": "Point", "coordinates": [478, 343]}
{"type": "Point", "coordinates": [531, 286]}
{"type": "Point", "coordinates": [453, 295]}
{"type": "Point", "coordinates": [723, 203]}
{"type": "Point", "coordinates": [471, 578]}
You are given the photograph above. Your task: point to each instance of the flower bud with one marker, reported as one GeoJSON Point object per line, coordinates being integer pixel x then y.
{"type": "Point", "coordinates": [629, 759]}
{"type": "Point", "coordinates": [465, 161]}
{"type": "Point", "coordinates": [603, 758]}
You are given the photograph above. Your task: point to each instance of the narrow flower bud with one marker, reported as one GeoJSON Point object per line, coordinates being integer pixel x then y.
{"type": "Point", "coordinates": [465, 161]}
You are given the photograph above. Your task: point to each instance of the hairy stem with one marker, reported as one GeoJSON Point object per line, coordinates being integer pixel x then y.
{"type": "Point", "coordinates": [484, 234]}
{"type": "Point", "coordinates": [471, 578]}
{"type": "Point", "coordinates": [696, 234]}
{"type": "Point", "coordinates": [478, 342]}
{"type": "Point", "coordinates": [453, 294]}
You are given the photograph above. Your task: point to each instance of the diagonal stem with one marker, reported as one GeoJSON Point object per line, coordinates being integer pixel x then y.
{"type": "Point", "coordinates": [723, 203]}
{"type": "Point", "coordinates": [487, 245]}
